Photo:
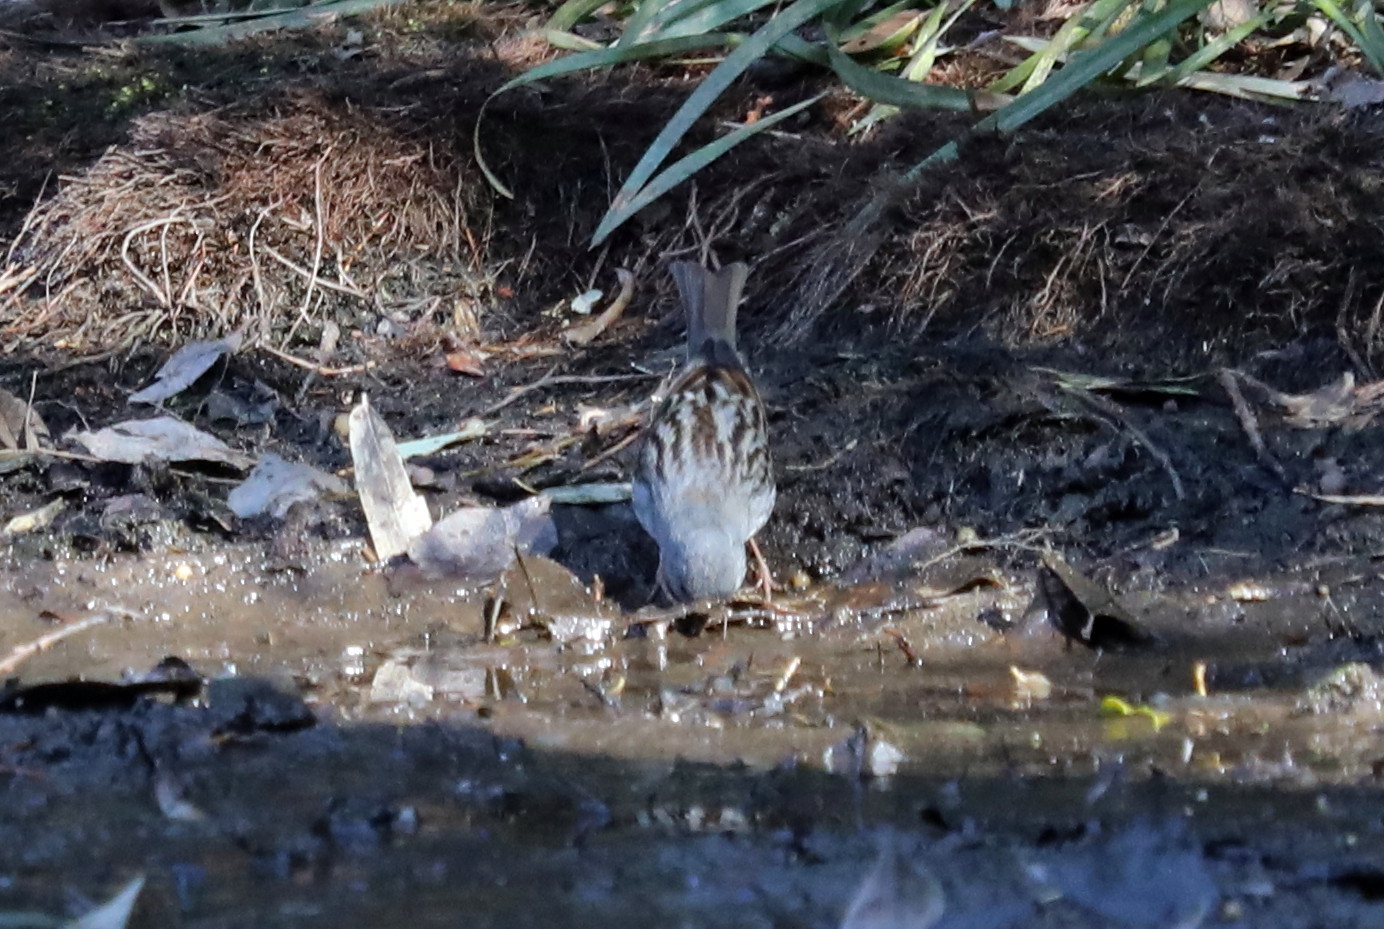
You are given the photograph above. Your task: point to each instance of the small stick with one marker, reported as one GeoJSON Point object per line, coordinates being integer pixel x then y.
{"type": "Point", "coordinates": [320, 222]}
{"type": "Point", "coordinates": [323, 282]}
{"type": "Point", "coordinates": [1346, 499]}
{"type": "Point", "coordinates": [1248, 423]}
{"type": "Point", "coordinates": [614, 450]}
{"type": "Point", "coordinates": [22, 653]}
{"type": "Point", "coordinates": [315, 368]}
{"type": "Point", "coordinates": [1109, 409]}
{"type": "Point", "coordinates": [549, 380]}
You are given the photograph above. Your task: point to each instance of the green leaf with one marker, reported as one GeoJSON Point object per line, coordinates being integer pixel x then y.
{"type": "Point", "coordinates": [573, 12]}
{"type": "Point", "coordinates": [1086, 66]}
{"type": "Point", "coordinates": [314, 14]}
{"type": "Point", "coordinates": [928, 38]}
{"type": "Point", "coordinates": [584, 61]}
{"type": "Point", "coordinates": [711, 87]}
{"type": "Point", "coordinates": [685, 167]}
{"type": "Point", "coordinates": [1371, 34]}
{"type": "Point", "coordinates": [1092, 21]}
{"type": "Point", "coordinates": [884, 88]}
{"type": "Point", "coordinates": [1216, 48]}
{"type": "Point", "coordinates": [691, 17]}
{"type": "Point", "coordinates": [638, 23]}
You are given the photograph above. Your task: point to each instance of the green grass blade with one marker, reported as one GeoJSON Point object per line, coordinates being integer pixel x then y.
{"type": "Point", "coordinates": [312, 15]}
{"type": "Point", "coordinates": [885, 88]}
{"type": "Point", "coordinates": [1216, 48]}
{"type": "Point", "coordinates": [1371, 34]}
{"type": "Point", "coordinates": [1084, 67]}
{"type": "Point", "coordinates": [685, 167]}
{"type": "Point", "coordinates": [929, 37]}
{"type": "Point", "coordinates": [860, 27]}
{"type": "Point", "coordinates": [1247, 86]}
{"type": "Point", "coordinates": [1154, 58]}
{"type": "Point", "coordinates": [570, 41]}
{"type": "Point", "coordinates": [638, 23]}
{"type": "Point", "coordinates": [691, 17]}
{"type": "Point", "coordinates": [584, 61]}
{"type": "Point", "coordinates": [920, 65]}
{"type": "Point", "coordinates": [573, 12]}
{"type": "Point", "coordinates": [1034, 70]}
{"type": "Point", "coordinates": [610, 57]}
{"type": "Point", "coordinates": [711, 87]}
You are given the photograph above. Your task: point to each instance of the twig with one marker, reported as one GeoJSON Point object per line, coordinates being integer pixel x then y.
{"type": "Point", "coordinates": [828, 461]}
{"type": "Point", "coordinates": [550, 380]}
{"type": "Point", "coordinates": [348, 289]}
{"type": "Point", "coordinates": [22, 653]}
{"type": "Point", "coordinates": [255, 265]}
{"type": "Point", "coordinates": [165, 299]}
{"type": "Point", "coordinates": [1347, 499]}
{"type": "Point", "coordinates": [320, 221]}
{"type": "Point", "coordinates": [314, 367]}
{"type": "Point", "coordinates": [1111, 410]}
{"type": "Point", "coordinates": [1248, 423]}
{"type": "Point", "coordinates": [614, 450]}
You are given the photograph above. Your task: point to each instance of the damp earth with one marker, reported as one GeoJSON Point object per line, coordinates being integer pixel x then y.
{"type": "Point", "coordinates": [1078, 533]}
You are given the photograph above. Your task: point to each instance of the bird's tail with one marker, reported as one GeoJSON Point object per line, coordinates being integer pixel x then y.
{"type": "Point", "coordinates": [710, 299]}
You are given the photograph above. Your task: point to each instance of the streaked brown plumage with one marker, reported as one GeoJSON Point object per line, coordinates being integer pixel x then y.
{"type": "Point", "coordinates": [704, 484]}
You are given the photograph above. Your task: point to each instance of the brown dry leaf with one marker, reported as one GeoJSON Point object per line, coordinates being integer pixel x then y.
{"type": "Point", "coordinates": [890, 31]}
{"type": "Point", "coordinates": [20, 425]}
{"type": "Point", "coordinates": [1334, 404]}
{"type": "Point", "coordinates": [40, 518]}
{"type": "Point", "coordinates": [466, 361]}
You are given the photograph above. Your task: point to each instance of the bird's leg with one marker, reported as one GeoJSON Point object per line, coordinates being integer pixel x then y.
{"type": "Point", "coordinates": [761, 568]}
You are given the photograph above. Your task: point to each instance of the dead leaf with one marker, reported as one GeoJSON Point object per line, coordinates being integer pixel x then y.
{"type": "Point", "coordinates": [275, 485]}
{"type": "Point", "coordinates": [395, 514]}
{"type": "Point", "coordinates": [887, 33]}
{"type": "Point", "coordinates": [161, 439]}
{"type": "Point", "coordinates": [41, 518]}
{"type": "Point", "coordinates": [1030, 685]}
{"type": "Point", "coordinates": [466, 361]}
{"type": "Point", "coordinates": [395, 682]}
{"type": "Point", "coordinates": [1343, 403]}
{"type": "Point", "coordinates": [113, 914]}
{"type": "Point", "coordinates": [183, 369]}
{"type": "Point", "coordinates": [479, 542]}
{"type": "Point", "coordinates": [22, 432]}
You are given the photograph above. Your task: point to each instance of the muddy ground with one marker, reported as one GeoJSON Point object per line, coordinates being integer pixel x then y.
{"type": "Point", "coordinates": [1114, 342]}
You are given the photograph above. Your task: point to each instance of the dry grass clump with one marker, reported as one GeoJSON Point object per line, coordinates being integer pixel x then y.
{"type": "Point", "coordinates": [269, 224]}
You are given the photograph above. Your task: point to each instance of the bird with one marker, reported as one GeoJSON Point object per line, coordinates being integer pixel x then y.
{"type": "Point", "coordinates": [703, 484]}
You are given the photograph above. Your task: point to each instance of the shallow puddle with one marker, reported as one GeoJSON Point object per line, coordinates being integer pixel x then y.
{"type": "Point", "coordinates": [738, 777]}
